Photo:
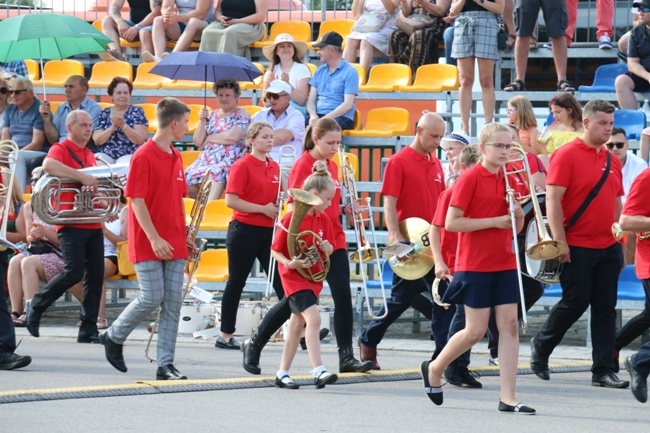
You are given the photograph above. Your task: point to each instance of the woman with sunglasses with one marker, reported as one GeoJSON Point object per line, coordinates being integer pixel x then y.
{"type": "Point", "coordinates": [4, 96]}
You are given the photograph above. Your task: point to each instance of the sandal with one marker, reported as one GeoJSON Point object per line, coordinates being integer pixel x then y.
{"type": "Point", "coordinates": [565, 86]}
{"type": "Point", "coordinates": [515, 86]}
{"type": "Point", "coordinates": [18, 319]}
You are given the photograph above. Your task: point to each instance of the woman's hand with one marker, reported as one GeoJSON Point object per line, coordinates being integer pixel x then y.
{"type": "Point", "coordinates": [270, 210]}
{"type": "Point", "coordinates": [326, 247]}
{"type": "Point", "coordinates": [204, 114]}
{"type": "Point", "coordinates": [451, 17]}
{"type": "Point", "coordinates": [38, 231]}
{"type": "Point", "coordinates": [225, 21]}
{"type": "Point", "coordinates": [118, 121]}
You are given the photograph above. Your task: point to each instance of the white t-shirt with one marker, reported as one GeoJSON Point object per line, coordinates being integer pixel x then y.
{"type": "Point", "coordinates": [632, 168]}
{"type": "Point", "coordinates": [297, 72]}
{"type": "Point", "coordinates": [115, 227]}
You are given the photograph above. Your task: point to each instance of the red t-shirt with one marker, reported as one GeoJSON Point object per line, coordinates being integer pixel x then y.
{"type": "Point", "coordinates": [578, 168]}
{"type": "Point", "coordinates": [301, 170]}
{"type": "Point", "coordinates": [638, 203]}
{"type": "Point", "coordinates": [256, 182]}
{"type": "Point", "coordinates": [61, 152]}
{"type": "Point", "coordinates": [448, 240]}
{"type": "Point", "coordinates": [292, 281]}
{"type": "Point", "coordinates": [157, 177]}
{"type": "Point", "coordinates": [481, 194]}
{"type": "Point", "coordinates": [416, 180]}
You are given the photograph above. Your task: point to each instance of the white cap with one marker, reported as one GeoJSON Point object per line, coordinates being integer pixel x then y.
{"type": "Point", "coordinates": [458, 136]}
{"type": "Point", "coordinates": [279, 86]}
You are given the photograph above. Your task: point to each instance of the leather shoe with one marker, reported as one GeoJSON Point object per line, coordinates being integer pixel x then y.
{"type": "Point", "coordinates": [230, 344]}
{"type": "Point", "coordinates": [113, 352]}
{"type": "Point", "coordinates": [251, 362]}
{"type": "Point", "coordinates": [32, 321]}
{"type": "Point", "coordinates": [169, 372]}
{"type": "Point", "coordinates": [11, 361]}
{"type": "Point", "coordinates": [367, 353]}
{"type": "Point", "coordinates": [538, 363]}
{"type": "Point", "coordinates": [325, 378]}
{"type": "Point", "coordinates": [609, 380]}
{"type": "Point", "coordinates": [639, 384]}
{"type": "Point", "coordinates": [93, 338]}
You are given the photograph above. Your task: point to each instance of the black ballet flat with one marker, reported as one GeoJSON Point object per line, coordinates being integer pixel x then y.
{"type": "Point", "coordinates": [519, 408]}
{"type": "Point", "coordinates": [433, 392]}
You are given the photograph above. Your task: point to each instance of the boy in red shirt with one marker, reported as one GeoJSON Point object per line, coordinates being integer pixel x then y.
{"type": "Point", "coordinates": [157, 242]}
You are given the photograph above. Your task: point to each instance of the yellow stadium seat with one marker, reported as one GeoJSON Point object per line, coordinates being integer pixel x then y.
{"type": "Point", "coordinates": [105, 105]}
{"type": "Point", "coordinates": [213, 266]}
{"type": "Point", "coordinates": [342, 26]}
{"type": "Point", "coordinates": [144, 79]}
{"type": "Point", "coordinates": [33, 69]}
{"type": "Point", "coordinates": [300, 30]}
{"type": "Point", "coordinates": [104, 72]}
{"type": "Point", "coordinates": [123, 42]}
{"type": "Point", "coordinates": [354, 161]}
{"type": "Point", "coordinates": [217, 215]}
{"type": "Point", "coordinates": [252, 109]}
{"type": "Point", "coordinates": [150, 114]}
{"type": "Point", "coordinates": [193, 46]}
{"type": "Point", "coordinates": [356, 122]}
{"type": "Point", "coordinates": [98, 25]}
{"type": "Point", "coordinates": [55, 72]}
{"type": "Point", "coordinates": [385, 122]}
{"type": "Point", "coordinates": [361, 71]}
{"type": "Point", "coordinates": [189, 156]}
{"type": "Point", "coordinates": [312, 68]}
{"type": "Point", "coordinates": [194, 117]}
{"type": "Point", "coordinates": [54, 105]}
{"type": "Point", "coordinates": [434, 78]}
{"type": "Point", "coordinates": [387, 77]}
{"type": "Point", "coordinates": [257, 83]}
{"type": "Point", "coordinates": [27, 196]}
{"type": "Point", "coordinates": [185, 85]}
{"type": "Point", "coordinates": [187, 202]}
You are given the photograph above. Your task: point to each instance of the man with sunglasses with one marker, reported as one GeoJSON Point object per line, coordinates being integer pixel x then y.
{"type": "Point", "coordinates": [632, 164]}
{"type": "Point", "coordinates": [638, 61]}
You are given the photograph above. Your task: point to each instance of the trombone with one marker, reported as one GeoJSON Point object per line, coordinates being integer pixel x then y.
{"type": "Point", "coordinates": [286, 152]}
{"type": "Point", "coordinates": [366, 251]}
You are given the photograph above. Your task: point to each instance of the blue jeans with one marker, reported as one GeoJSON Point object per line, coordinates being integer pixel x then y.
{"type": "Point", "coordinates": [448, 38]}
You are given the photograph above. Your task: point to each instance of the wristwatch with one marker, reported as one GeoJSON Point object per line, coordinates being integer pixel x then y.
{"type": "Point", "coordinates": [139, 27]}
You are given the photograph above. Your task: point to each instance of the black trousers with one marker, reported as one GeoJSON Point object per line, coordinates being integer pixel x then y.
{"type": "Point", "coordinates": [7, 333]}
{"type": "Point", "coordinates": [245, 243]}
{"type": "Point", "coordinates": [591, 279]}
{"type": "Point", "coordinates": [83, 251]}
{"type": "Point", "coordinates": [638, 324]}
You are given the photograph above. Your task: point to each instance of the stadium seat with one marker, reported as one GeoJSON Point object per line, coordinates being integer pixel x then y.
{"type": "Point", "coordinates": [217, 215]}
{"type": "Point", "coordinates": [123, 42]}
{"type": "Point", "coordinates": [386, 276]}
{"type": "Point", "coordinates": [300, 30]}
{"type": "Point", "coordinates": [194, 117]}
{"type": "Point", "coordinates": [252, 109]}
{"type": "Point", "coordinates": [387, 77]}
{"type": "Point", "coordinates": [632, 121]}
{"type": "Point", "coordinates": [604, 78]}
{"type": "Point", "coordinates": [144, 79]}
{"type": "Point", "coordinates": [185, 85]}
{"type": "Point", "coordinates": [33, 69]}
{"type": "Point", "coordinates": [106, 105]}
{"type": "Point", "coordinates": [361, 71]}
{"type": "Point", "coordinates": [354, 161]}
{"type": "Point", "coordinates": [56, 72]}
{"type": "Point", "coordinates": [213, 266]}
{"type": "Point", "coordinates": [257, 83]}
{"type": "Point", "coordinates": [104, 72]}
{"type": "Point", "coordinates": [189, 156]}
{"type": "Point", "coordinates": [150, 114]}
{"type": "Point", "coordinates": [356, 125]}
{"type": "Point", "coordinates": [384, 122]}
{"type": "Point", "coordinates": [312, 68]}
{"type": "Point", "coordinates": [193, 46]}
{"type": "Point", "coordinates": [187, 202]}
{"type": "Point", "coordinates": [434, 78]}
{"type": "Point", "coordinates": [342, 26]}
{"type": "Point", "coordinates": [54, 105]}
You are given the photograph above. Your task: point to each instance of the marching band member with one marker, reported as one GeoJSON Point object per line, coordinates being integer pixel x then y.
{"type": "Point", "coordinates": [413, 181]}
{"type": "Point", "coordinates": [322, 141]}
{"type": "Point", "coordinates": [302, 294]}
{"type": "Point", "coordinates": [252, 192]}
{"type": "Point", "coordinates": [594, 259]}
{"type": "Point", "coordinates": [485, 277]}
{"type": "Point", "coordinates": [157, 246]}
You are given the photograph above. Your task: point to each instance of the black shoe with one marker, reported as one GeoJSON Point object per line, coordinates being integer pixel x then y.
{"type": "Point", "coordinates": [468, 379]}
{"type": "Point", "coordinates": [286, 382]}
{"type": "Point", "coordinates": [348, 363]}
{"type": "Point", "coordinates": [538, 363]}
{"type": "Point", "coordinates": [251, 361]}
{"type": "Point", "coordinates": [519, 409]}
{"type": "Point", "coordinates": [94, 338]}
{"type": "Point", "coordinates": [32, 321]}
{"type": "Point", "coordinates": [230, 344]}
{"type": "Point", "coordinates": [452, 375]}
{"type": "Point", "coordinates": [433, 392]}
{"type": "Point", "coordinates": [609, 380]}
{"type": "Point", "coordinates": [11, 361]}
{"type": "Point", "coordinates": [321, 336]}
{"type": "Point", "coordinates": [639, 384]}
{"type": "Point", "coordinates": [169, 372]}
{"type": "Point", "coordinates": [325, 378]}
{"type": "Point", "coordinates": [113, 352]}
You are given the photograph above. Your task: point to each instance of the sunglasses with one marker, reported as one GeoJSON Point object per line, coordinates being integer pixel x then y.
{"type": "Point", "coordinates": [618, 144]}
{"type": "Point", "coordinates": [644, 9]}
{"type": "Point", "coordinates": [273, 96]}
{"type": "Point", "coordinates": [3, 90]}
{"type": "Point", "coordinates": [16, 92]}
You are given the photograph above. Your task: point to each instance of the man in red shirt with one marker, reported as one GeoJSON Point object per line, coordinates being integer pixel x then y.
{"type": "Point", "coordinates": [594, 259]}
{"type": "Point", "coordinates": [157, 242]}
{"type": "Point", "coordinates": [413, 181]}
{"type": "Point", "coordinates": [82, 245]}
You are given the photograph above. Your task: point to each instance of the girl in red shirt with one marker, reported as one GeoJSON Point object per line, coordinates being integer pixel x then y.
{"type": "Point", "coordinates": [251, 192]}
{"type": "Point", "coordinates": [484, 277]}
{"type": "Point", "coordinates": [302, 293]}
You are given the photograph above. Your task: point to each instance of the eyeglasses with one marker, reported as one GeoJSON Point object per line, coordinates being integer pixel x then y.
{"type": "Point", "coordinates": [275, 96]}
{"type": "Point", "coordinates": [644, 9]}
{"type": "Point", "coordinates": [618, 144]}
{"type": "Point", "coordinates": [16, 92]}
{"type": "Point", "coordinates": [510, 110]}
{"type": "Point", "coordinates": [3, 90]}
{"type": "Point", "coordinates": [500, 146]}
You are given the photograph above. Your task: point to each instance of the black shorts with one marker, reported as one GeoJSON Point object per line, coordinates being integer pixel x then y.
{"type": "Point", "coordinates": [483, 289]}
{"type": "Point", "coordinates": [555, 16]}
{"type": "Point", "coordinates": [300, 301]}
{"type": "Point", "coordinates": [640, 85]}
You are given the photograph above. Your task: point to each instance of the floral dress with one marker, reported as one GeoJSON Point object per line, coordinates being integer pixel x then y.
{"type": "Point", "coordinates": [119, 145]}
{"type": "Point", "coordinates": [52, 262]}
{"type": "Point", "coordinates": [381, 38]}
{"type": "Point", "coordinates": [215, 156]}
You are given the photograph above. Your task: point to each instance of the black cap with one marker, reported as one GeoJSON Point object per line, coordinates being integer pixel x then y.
{"type": "Point", "coordinates": [332, 38]}
{"type": "Point", "coordinates": [641, 3]}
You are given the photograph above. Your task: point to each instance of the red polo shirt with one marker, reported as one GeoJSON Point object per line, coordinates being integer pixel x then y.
{"type": "Point", "coordinates": [578, 168]}
{"type": "Point", "coordinates": [301, 170]}
{"type": "Point", "coordinates": [638, 203]}
{"type": "Point", "coordinates": [256, 182]}
{"type": "Point", "coordinates": [448, 240]}
{"type": "Point", "coordinates": [61, 152]}
{"type": "Point", "coordinates": [292, 281]}
{"type": "Point", "coordinates": [481, 194]}
{"type": "Point", "coordinates": [416, 180]}
{"type": "Point", "coordinates": [157, 177]}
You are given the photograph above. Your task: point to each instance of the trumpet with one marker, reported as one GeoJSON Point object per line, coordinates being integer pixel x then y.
{"type": "Point", "coordinates": [366, 251]}
{"type": "Point", "coordinates": [621, 235]}
{"type": "Point", "coordinates": [8, 155]}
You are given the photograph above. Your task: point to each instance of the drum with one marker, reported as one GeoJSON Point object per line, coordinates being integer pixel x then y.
{"type": "Point", "coordinates": [249, 317]}
{"type": "Point", "coordinates": [196, 316]}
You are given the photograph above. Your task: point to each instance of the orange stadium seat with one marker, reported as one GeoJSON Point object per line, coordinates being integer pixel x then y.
{"type": "Point", "coordinates": [434, 78]}
{"type": "Point", "coordinates": [55, 72]}
{"type": "Point", "coordinates": [361, 71]}
{"type": "Point", "coordinates": [104, 72]}
{"type": "Point", "coordinates": [213, 266]}
{"type": "Point", "coordinates": [252, 109]}
{"type": "Point", "coordinates": [33, 69]}
{"type": "Point", "coordinates": [217, 215]}
{"type": "Point", "coordinates": [356, 122]}
{"type": "Point", "coordinates": [194, 117]}
{"type": "Point", "coordinates": [354, 161]}
{"type": "Point", "coordinates": [342, 26]}
{"type": "Point", "coordinates": [300, 30]}
{"type": "Point", "coordinates": [387, 77]}
{"type": "Point", "coordinates": [312, 68]}
{"type": "Point", "coordinates": [385, 122]}
{"type": "Point", "coordinates": [144, 79]}
{"type": "Point", "coordinates": [150, 114]}
{"type": "Point", "coordinates": [105, 105]}
{"type": "Point", "coordinates": [188, 157]}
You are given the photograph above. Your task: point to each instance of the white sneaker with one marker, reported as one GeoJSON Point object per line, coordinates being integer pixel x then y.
{"type": "Point", "coordinates": [605, 43]}
{"type": "Point", "coordinates": [148, 57]}
{"type": "Point", "coordinates": [493, 361]}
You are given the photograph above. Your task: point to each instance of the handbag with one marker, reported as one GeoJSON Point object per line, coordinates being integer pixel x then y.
{"type": "Point", "coordinates": [413, 23]}
{"type": "Point", "coordinates": [369, 22]}
{"type": "Point", "coordinates": [124, 266]}
{"type": "Point", "coordinates": [43, 247]}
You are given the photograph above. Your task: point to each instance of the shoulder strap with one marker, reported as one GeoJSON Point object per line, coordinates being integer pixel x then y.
{"type": "Point", "coordinates": [592, 195]}
{"type": "Point", "coordinates": [76, 158]}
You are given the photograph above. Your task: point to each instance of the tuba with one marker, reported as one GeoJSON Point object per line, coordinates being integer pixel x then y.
{"type": "Point", "coordinates": [8, 155]}
{"type": "Point", "coordinates": [298, 244]}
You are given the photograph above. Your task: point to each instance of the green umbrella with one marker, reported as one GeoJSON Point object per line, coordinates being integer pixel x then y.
{"type": "Point", "coordinates": [48, 36]}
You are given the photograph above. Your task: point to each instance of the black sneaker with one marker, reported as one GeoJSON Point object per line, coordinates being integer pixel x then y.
{"type": "Point", "coordinates": [453, 375]}
{"type": "Point", "coordinates": [11, 361]}
{"type": "Point", "coordinates": [469, 379]}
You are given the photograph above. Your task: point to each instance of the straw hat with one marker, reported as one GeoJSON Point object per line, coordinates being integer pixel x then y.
{"type": "Point", "coordinates": [300, 47]}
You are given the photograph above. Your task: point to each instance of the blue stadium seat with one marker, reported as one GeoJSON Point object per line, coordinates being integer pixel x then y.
{"type": "Point", "coordinates": [549, 120]}
{"type": "Point", "coordinates": [632, 121]}
{"type": "Point", "coordinates": [605, 77]}
{"type": "Point", "coordinates": [386, 275]}
{"type": "Point", "coordinates": [630, 287]}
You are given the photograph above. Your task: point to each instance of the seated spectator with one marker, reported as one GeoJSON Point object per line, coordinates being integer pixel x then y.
{"type": "Point", "coordinates": [220, 136]}
{"type": "Point", "coordinates": [122, 127]}
{"type": "Point", "coordinates": [632, 164]}
{"type": "Point", "coordinates": [566, 126]}
{"type": "Point", "coordinates": [237, 24]}
{"type": "Point", "coordinates": [638, 61]}
{"type": "Point", "coordinates": [285, 64]}
{"type": "Point", "coordinates": [4, 100]}
{"type": "Point", "coordinates": [521, 115]}
{"type": "Point", "coordinates": [453, 145]}
{"type": "Point", "coordinates": [625, 39]}
{"type": "Point", "coordinates": [644, 144]}
{"type": "Point", "coordinates": [372, 31]}
{"type": "Point", "coordinates": [15, 232]}
{"type": "Point", "coordinates": [23, 125]}
{"type": "Point", "coordinates": [15, 69]}
{"type": "Point", "coordinates": [335, 84]}
{"type": "Point", "coordinates": [141, 15]}
{"type": "Point", "coordinates": [184, 26]}
{"type": "Point", "coordinates": [420, 47]}
{"type": "Point", "coordinates": [76, 88]}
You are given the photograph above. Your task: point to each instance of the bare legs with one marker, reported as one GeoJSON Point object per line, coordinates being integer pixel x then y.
{"type": "Point", "coordinates": [312, 318]}
{"type": "Point", "coordinates": [486, 78]}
